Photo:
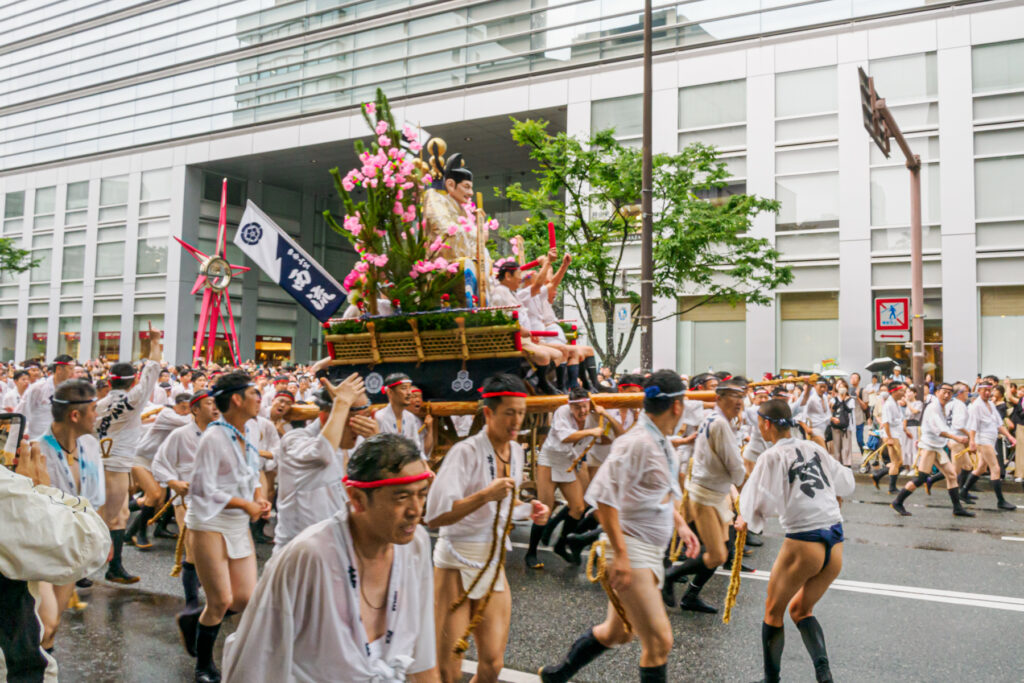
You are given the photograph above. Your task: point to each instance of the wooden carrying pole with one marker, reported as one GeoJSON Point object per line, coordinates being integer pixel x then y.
{"type": "Point", "coordinates": [534, 404]}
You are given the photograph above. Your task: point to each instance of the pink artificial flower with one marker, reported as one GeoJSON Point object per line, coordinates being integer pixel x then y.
{"type": "Point", "coordinates": [437, 244]}
{"type": "Point", "coordinates": [379, 261]}
{"type": "Point", "coordinates": [371, 108]}
{"type": "Point", "coordinates": [373, 182]}
{"type": "Point", "coordinates": [400, 194]}
{"type": "Point", "coordinates": [413, 274]}
{"type": "Point", "coordinates": [348, 184]}
{"type": "Point", "coordinates": [382, 127]}
{"type": "Point", "coordinates": [427, 178]}
{"type": "Point", "coordinates": [515, 247]}
{"type": "Point", "coordinates": [398, 209]}
{"type": "Point", "coordinates": [409, 132]}
{"type": "Point", "coordinates": [383, 141]}
{"type": "Point", "coordinates": [453, 268]}
{"type": "Point", "coordinates": [415, 147]}
{"type": "Point", "coordinates": [452, 229]}
{"type": "Point", "coordinates": [492, 224]}
{"type": "Point", "coordinates": [361, 267]}
{"type": "Point", "coordinates": [410, 214]}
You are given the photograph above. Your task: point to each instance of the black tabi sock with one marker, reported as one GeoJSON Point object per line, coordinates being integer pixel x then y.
{"type": "Point", "coordinates": [685, 568]}
{"type": "Point", "coordinates": [997, 488]}
{"type": "Point", "coordinates": [701, 576]}
{"type": "Point", "coordinates": [934, 478]}
{"type": "Point", "coordinates": [773, 640]}
{"type": "Point", "coordinates": [553, 523]}
{"type": "Point", "coordinates": [879, 473]}
{"type": "Point", "coordinates": [588, 523]}
{"type": "Point", "coordinates": [536, 531]}
{"type": "Point", "coordinates": [590, 369]}
{"type": "Point", "coordinates": [893, 478]}
{"type": "Point", "coordinates": [574, 376]}
{"type": "Point", "coordinates": [902, 496]}
{"type": "Point", "coordinates": [117, 540]}
{"type": "Point", "coordinates": [814, 641]}
{"type": "Point", "coordinates": [961, 477]}
{"type": "Point", "coordinates": [654, 674]}
{"type": "Point", "coordinates": [190, 584]}
{"type": "Point", "coordinates": [954, 496]}
{"type": "Point", "coordinates": [970, 481]}
{"type": "Point", "coordinates": [568, 527]}
{"type": "Point", "coordinates": [206, 636]}
{"type": "Point", "coordinates": [563, 377]}
{"type": "Point", "coordinates": [586, 649]}
{"type": "Point", "coordinates": [145, 514]}
{"type": "Point", "coordinates": [920, 480]}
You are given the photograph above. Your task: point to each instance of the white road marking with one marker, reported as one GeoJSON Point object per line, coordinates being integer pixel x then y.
{"type": "Point", "coordinates": [1012, 538]}
{"type": "Point", "coordinates": [506, 675]}
{"type": "Point", "coordinates": [1000, 602]}
{"type": "Point", "coordinates": [913, 593]}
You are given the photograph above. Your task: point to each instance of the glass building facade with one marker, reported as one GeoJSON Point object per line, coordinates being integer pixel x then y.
{"type": "Point", "coordinates": [120, 120]}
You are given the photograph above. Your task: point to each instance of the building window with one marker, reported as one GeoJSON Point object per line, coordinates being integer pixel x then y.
{"type": "Point", "coordinates": [45, 201]}
{"type": "Point", "coordinates": [808, 330]}
{"type": "Point", "coordinates": [113, 199]}
{"type": "Point", "coordinates": [155, 193]}
{"type": "Point", "coordinates": [140, 333]}
{"type": "Point", "coordinates": [106, 337]}
{"type": "Point", "coordinates": [14, 212]}
{"type": "Point", "coordinates": [69, 336]}
{"type": "Point", "coordinates": [1002, 327]}
{"type": "Point", "coordinates": [997, 75]}
{"type": "Point", "coordinates": [110, 251]}
{"type": "Point", "coordinates": [624, 114]}
{"type": "Point", "coordinates": [806, 106]}
{"type": "Point", "coordinates": [711, 337]}
{"type": "Point", "coordinates": [73, 264]}
{"type": "Point", "coordinates": [42, 252]}
{"type": "Point", "coordinates": [716, 114]}
{"type": "Point", "coordinates": [151, 254]}
{"type": "Point", "coordinates": [35, 342]}
{"type": "Point", "coordinates": [807, 187]}
{"type": "Point", "coordinates": [76, 203]}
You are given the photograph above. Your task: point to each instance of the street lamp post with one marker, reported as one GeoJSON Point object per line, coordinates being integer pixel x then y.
{"type": "Point", "coordinates": [646, 207]}
{"type": "Point", "coordinates": [881, 126]}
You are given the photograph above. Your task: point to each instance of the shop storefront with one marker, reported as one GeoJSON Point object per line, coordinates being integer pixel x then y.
{"type": "Point", "coordinates": [273, 349]}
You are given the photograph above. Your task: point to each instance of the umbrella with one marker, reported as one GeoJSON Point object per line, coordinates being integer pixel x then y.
{"type": "Point", "coordinates": [834, 372]}
{"type": "Point", "coordinates": [883, 364]}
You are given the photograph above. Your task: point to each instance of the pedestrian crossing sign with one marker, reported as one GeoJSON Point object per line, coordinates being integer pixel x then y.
{"type": "Point", "coordinates": [892, 314]}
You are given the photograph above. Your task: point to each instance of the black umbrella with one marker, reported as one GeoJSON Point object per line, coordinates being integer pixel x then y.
{"type": "Point", "coordinates": [883, 364]}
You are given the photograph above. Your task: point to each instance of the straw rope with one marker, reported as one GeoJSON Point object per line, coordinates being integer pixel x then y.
{"type": "Point", "coordinates": [597, 559]}
{"type": "Point", "coordinates": [737, 564]}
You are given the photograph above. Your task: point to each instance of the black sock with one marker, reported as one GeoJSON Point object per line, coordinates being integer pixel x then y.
{"type": "Point", "coordinates": [954, 496]}
{"type": "Point", "coordinates": [568, 527]}
{"type": "Point", "coordinates": [563, 377]}
{"type": "Point", "coordinates": [586, 649]}
{"type": "Point", "coordinates": [893, 478]}
{"type": "Point", "coordinates": [590, 370]}
{"type": "Point", "coordinates": [206, 636]}
{"type": "Point", "coordinates": [588, 523]}
{"type": "Point", "coordinates": [934, 478]}
{"type": "Point", "coordinates": [145, 514]}
{"type": "Point", "coordinates": [879, 473]}
{"type": "Point", "coordinates": [701, 576]}
{"type": "Point", "coordinates": [654, 674]}
{"type": "Point", "coordinates": [190, 584]}
{"type": "Point", "coordinates": [902, 496]}
{"type": "Point", "coordinates": [685, 568]}
{"type": "Point", "coordinates": [773, 640]}
{"type": "Point", "coordinates": [536, 531]}
{"type": "Point", "coordinates": [997, 488]}
{"type": "Point", "coordinates": [969, 481]}
{"type": "Point", "coordinates": [814, 641]}
{"type": "Point", "coordinates": [553, 523]}
{"type": "Point", "coordinates": [961, 477]}
{"type": "Point", "coordinates": [574, 376]}
{"type": "Point", "coordinates": [117, 540]}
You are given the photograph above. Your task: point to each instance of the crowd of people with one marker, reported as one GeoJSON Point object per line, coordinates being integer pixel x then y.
{"type": "Point", "coordinates": [658, 493]}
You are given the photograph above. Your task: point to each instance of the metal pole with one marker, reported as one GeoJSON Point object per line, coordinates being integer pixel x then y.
{"type": "Point", "coordinates": [916, 278]}
{"type": "Point", "coordinates": [647, 259]}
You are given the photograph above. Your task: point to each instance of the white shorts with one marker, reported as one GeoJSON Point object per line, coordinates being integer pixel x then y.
{"type": "Point", "coordinates": [119, 463]}
{"type": "Point", "coordinates": [720, 502]}
{"type": "Point", "coordinates": [642, 555]}
{"type": "Point", "coordinates": [469, 558]}
{"type": "Point", "coordinates": [559, 463]}
{"type": "Point", "coordinates": [234, 529]}
{"type": "Point", "coordinates": [560, 339]}
{"type": "Point", "coordinates": [144, 463]}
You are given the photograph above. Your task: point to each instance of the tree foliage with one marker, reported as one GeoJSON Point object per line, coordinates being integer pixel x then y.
{"type": "Point", "coordinates": [591, 190]}
{"type": "Point", "coordinates": [13, 260]}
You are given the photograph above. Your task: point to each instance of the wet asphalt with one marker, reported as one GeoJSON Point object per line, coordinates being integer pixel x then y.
{"type": "Point", "coordinates": [923, 598]}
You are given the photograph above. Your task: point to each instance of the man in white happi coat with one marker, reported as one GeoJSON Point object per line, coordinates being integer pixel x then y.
{"type": "Point", "coordinates": [12, 397]}
{"type": "Point", "coordinates": [636, 492]}
{"type": "Point", "coordinates": [172, 467]}
{"type": "Point", "coordinates": [312, 460]}
{"type": "Point", "coordinates": [75, 467]}
{"type": "Point", "coordinates": [224, 495]}
{"type": "Point", "coordinates": [394, 418]}
{"type": "Point", "coordinates": [350, 598]}
{"type": "Point", "coordinates": [476, 486]}
{"type": "Point", "coordinates": [167, 420]}
{"type": "Point", "coordinates": [35, 402]}
{"type": "Point", "coordinates": [984, 426]}
{"type": "Point", "coordinates": [119, 429]}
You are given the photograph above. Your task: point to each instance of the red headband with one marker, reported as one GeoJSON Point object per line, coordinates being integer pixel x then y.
{"type": "Point", "coordinates": [286, 394]}
{"type": "Point", "coordinates": [122, 377]}
{"type": "Point", "coordinates": [417, 390]}
{"type": "Point", "coordinates": [396, 481]}
{"type": "Point", "coordinates": [496, 394]}
{"type": "Point", "coordinates": [197, 398]}
{"type": "Point", "coordinates": [62, 362]}
{"type": "Point", "coordinates": [627, 384]}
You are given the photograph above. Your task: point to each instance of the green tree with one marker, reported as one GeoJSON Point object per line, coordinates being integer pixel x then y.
{"type": "Point", "coordinates": [13, 260]}
{"type": "Point", "coordinates": [591, 190]}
